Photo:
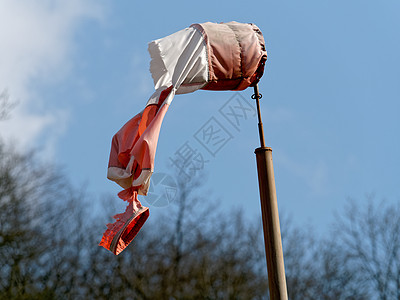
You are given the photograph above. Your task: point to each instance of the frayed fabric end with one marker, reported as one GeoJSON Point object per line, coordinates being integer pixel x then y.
{"type": "Point", "coordinates": [127, 225]}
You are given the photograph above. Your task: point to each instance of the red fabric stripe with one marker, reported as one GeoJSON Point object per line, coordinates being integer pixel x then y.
{"type": "Point", "coordinates": [121, 233]}
{"type": "Point", "coordinates": [137, 138]}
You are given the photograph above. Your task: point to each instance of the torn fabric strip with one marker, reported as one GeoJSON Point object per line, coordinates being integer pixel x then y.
{"type": "Point", "coordinates": [209, 56]}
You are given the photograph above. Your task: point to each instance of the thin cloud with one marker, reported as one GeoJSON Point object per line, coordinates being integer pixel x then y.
{"type": "Point", "coordinates": [37, 46]}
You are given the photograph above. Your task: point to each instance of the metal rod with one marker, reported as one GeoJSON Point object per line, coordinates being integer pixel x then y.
{"type": "Point", "coordinates": [270, 215]}
{"type": "Point", "coordinates": [258, 96]}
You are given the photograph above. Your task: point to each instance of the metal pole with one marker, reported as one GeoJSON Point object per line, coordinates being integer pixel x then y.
{"type": "Point", "coordinates": [270, 215]}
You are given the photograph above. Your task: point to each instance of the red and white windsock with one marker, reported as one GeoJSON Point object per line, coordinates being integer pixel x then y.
{"type": "Point", "coordinates": [208, 56]}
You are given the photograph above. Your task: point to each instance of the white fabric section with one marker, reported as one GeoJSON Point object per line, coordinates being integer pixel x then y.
{"type": "Point", "coordinates": [120, 176]}
{"type": "Point", "coordinates": [180, 60]}
{"type": "Point", "coordinates": [123, 178]}
{"type": "Point", "coordinates": [115, 173]}
{"type": "Point", "coordinates": [143, 181]}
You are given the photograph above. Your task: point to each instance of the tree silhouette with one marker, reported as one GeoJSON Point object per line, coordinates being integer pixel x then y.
{"type": "Point", "coordinates": [49, 233]}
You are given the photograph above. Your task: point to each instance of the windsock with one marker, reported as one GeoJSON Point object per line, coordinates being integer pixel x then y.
{"type": "Point", "coordinates": [208, 56]}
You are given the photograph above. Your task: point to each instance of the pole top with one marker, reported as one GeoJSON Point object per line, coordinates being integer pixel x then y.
{"type": "Point", "coordinates": [263, 149]}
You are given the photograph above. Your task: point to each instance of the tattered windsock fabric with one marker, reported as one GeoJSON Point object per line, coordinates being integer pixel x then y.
{"type": "Point", "coordinates": [209, 56]}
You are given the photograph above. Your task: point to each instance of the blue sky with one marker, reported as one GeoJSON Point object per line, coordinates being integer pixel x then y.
{"type": "Point", "coordinates": [78, 70]}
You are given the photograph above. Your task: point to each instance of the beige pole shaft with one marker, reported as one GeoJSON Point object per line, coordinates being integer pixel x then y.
{"type": "Point", "coordinates": [271, 227]}
{"type": "Point", "coordinates": [270, 215]}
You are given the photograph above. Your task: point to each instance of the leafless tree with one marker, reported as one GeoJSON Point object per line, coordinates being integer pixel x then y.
{"type": "Point", "coordinates": [369, 242]}
{"type": "Point", "coordinates": [43, 239]}
{"type": "Point", "coordinates": [49, 233]}
{"type": "Point", "coordinates": [193, 251]}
